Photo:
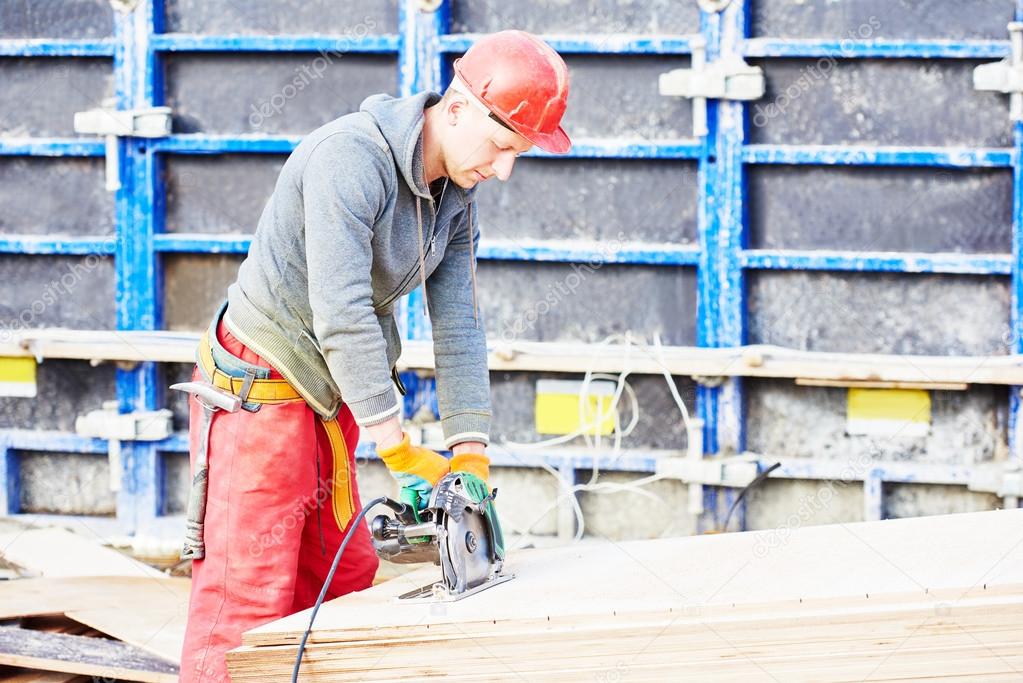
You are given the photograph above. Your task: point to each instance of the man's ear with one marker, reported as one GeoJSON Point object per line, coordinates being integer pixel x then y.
{"type": "Point", "coordinates": [456, 108]}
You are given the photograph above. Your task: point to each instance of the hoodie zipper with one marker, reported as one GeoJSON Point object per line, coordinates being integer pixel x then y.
{"type": "Point", "coordinates": [408, 278]}
{"type": "Point", "coordinates": [415, 268]}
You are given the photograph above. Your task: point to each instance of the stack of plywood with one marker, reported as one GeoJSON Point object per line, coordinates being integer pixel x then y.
{"type": "Point", "coordinates": [88, 613]}
{"type": "Point", "coordinates": [921, 598]}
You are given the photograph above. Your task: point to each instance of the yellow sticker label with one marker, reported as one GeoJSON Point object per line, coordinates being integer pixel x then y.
{"type": "Point", "coordinates": [557, 408]}
{"type": "Point", "coordinates": [17, 376]}
{"type": "Point", "coordinates": [889, 412]}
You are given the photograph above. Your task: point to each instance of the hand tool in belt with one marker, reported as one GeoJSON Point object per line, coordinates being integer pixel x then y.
{"type": "Point", "coordinates": [212, 399]}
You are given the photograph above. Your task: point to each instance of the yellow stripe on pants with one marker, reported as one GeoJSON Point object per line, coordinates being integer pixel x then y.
{"type": "Point", "coordinates": [344, 503]}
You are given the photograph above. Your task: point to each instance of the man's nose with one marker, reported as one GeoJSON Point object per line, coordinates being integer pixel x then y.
{"type": "Point", "coordinates": [503, 165]}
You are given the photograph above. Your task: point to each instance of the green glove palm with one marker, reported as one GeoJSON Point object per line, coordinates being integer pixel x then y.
{"type": "Point", "coordinates": [414, 467]}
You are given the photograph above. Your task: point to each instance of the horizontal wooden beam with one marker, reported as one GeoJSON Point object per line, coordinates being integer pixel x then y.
{"type": "Point", "coordinates": [855, 384]}
{"type": "Point", "coordinates": [745, 361]}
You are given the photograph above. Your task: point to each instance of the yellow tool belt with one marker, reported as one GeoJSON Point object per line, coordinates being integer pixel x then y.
{"type": "Point", "coordinates": [261, 391]}
{"type": "Point", "coordinates": [279, 391]}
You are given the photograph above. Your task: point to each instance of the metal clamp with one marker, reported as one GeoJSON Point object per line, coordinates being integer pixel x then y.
{"type": "Point", "coordinates": [108, 423]}
{"type": "Point", "coordinates": [696, 471]}
{"type": "Point", "coordinates": [1005, 76]}
{"type": "Point", "coordinates": [728, 78]}
{"type": "Point", "coordinates": [1002, 479]}
{"type": "Point", "coordinates": [713, 6]}
{"type": "Point", "coordinates": [152, 122]}
{"type": "Point", "coordinates": [124, 6]}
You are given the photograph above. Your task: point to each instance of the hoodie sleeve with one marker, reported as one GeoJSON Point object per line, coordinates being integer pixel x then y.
{"type": "Point", "coordinates": [344, 189]}
{"type": "Point", "coordinates": [459, 344]}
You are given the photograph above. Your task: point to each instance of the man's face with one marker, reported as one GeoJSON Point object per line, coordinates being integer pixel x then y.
{"type": "Point", "coordinates": [478, 147]}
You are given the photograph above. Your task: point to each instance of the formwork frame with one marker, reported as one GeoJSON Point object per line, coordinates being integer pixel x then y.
{"type": "Point", "coordinates": [423, 44]}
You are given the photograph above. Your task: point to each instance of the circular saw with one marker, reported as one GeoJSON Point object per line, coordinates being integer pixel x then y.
{"type": "Point", "coordinates": [457, 529]}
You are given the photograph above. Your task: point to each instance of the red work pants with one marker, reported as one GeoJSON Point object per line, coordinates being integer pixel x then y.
{"type": "Point", "coordinates": [263, 554]}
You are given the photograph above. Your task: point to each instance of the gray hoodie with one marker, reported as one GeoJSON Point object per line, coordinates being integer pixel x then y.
{"type": "Point", "coordinates": [349, 229]}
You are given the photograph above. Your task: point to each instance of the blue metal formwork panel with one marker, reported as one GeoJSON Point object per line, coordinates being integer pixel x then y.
{"type": "Point", "coordinates": [880, 217]}
{"type": "Point", "coordinates": [56, 19]}
{"type": "Point", "coordinates": [275, 21]}
{"type": "Point", "coordinates": [870, 20]}
{"type": "Point", "coordinates": [870, 197]}
{"type": "Point", "coordinates": [57, 237]}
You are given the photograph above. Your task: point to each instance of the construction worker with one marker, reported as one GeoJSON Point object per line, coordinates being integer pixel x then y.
{"type": "Point", "coordinates": [367, 207]}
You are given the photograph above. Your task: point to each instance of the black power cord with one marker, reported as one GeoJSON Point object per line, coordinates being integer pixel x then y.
{"type": "Point", "coordinates": [330, 577]}
{"type": "Point", "coordinates": [384, 500]}
{"type": "Point", "coordinates": [753, 484]}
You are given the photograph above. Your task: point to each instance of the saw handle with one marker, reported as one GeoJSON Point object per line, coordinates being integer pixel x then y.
{"type": "Point", "coordinates": [404, 511]}
{"type": "Point", "coordinates": [411, 498]}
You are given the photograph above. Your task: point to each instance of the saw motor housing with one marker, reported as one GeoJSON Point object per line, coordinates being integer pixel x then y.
{"type": "Point", "coordinates": [458, 530]}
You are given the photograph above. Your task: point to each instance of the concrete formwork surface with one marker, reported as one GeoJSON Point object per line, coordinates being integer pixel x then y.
{"type": "Point", "coordinates": [670, 227]}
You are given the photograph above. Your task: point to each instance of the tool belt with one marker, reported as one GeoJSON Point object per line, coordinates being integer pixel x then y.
{"type": "Point", "coordinates": [230, 373]}
{"type": "Point", "coordinates": [248, 381]}
{"type": "Point", "coordinates": [253, 385]}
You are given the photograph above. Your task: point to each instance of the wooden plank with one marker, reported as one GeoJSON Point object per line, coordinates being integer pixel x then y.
{"type": "Point", "coordinates": [54, 552]}
{"type": "Point", "coordinates": [38, 596]}
{"type": "Point", "coordinates": [155, 624]}
{"type": "Point", "coordinates": [927, 597]}
{"type": "Point", "coordinates": [604, 577]}
{"type": "Point", "coordinates": [747, 361]}
{"type": "Point", "coordinates": [127, 346]}
{"type": "Point", "coordinates": [832, 651]}
{"type": "Point", "coordinates": [17, 675]}
{"type": "Point", "coordinates": [857, 384]}
{"type": "Point", "coordinates": [82, 655]}
{"type": "Point", "coordinates": [160, 632]}
{"type": "Point", "coordinates": [831, 646]}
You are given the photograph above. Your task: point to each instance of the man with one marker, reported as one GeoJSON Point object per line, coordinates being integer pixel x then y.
{"type": "Point", "coordinates": [365, 209]}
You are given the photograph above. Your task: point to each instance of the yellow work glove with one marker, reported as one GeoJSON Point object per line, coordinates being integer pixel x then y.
{"type": "Point", "coordinates": [473, 463]}
{"type": "Point", "coordinates": [414, 467]}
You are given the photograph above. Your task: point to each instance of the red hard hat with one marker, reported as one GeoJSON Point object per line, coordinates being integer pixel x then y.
{"type": "Point", "coordinates": [523, 81]}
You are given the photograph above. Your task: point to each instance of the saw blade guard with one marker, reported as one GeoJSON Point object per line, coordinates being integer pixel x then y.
{"type": "Point", "coordinates": [480, 494]}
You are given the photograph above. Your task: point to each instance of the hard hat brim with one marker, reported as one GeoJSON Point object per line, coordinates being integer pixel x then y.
{"type": "Point", "coordinates": [555, 143]}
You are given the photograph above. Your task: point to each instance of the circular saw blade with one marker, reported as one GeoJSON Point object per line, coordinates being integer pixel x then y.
{"type": "Point", "coordinates": [466, 551]}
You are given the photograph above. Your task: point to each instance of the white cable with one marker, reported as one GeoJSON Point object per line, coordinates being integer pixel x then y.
{"type": "Point", "coordinates": [673, 389]}
{"type": "Point", "coordinates": [584, 395]}
{"type": "Point", "coordinates": [568, 494]}
{"type": "Point", "coordinates": [584, 430]}
{"type": "Point", "coordinates": [592, 429]}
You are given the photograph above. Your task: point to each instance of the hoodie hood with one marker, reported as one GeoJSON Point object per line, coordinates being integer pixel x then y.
{"type": "Point", "coordinates": [400, 120]}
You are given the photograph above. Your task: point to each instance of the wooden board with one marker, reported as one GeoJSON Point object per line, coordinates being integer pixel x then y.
{"type": "Point", "coordinates": [599, 578]}
{"type": "Point", "coordinates": [159, 632]}
{"type": "Point", "coordinates": [56, 552]}
{"type": "Point", "coordinates": [56, 624]}
{"type": "Point", "coordinates": [82, 655]}
{"type": "Point", "coordinates": [979, 643]}
{"type": "Point", "coordinates": [938, 595]}
{"type": "Point", "coordinates": [15, 675]}
{"type": "Point", "coordinates": [156, 622]}
{"type": "Point", "coordinates": [759, 360]}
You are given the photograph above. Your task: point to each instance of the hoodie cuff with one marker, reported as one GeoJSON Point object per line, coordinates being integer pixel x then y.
{"type": "Point", "coordinates": [375, 409]}
{"type": "Point", "coordinates": [467, 425]}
